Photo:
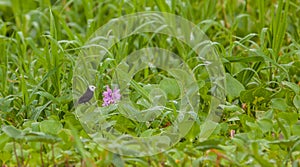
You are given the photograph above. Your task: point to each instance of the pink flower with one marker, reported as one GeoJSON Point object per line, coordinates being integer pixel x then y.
{"type": "Point", "coordinates": [232, 133]}
{"type": "Point", "coordinates": [111, 97]}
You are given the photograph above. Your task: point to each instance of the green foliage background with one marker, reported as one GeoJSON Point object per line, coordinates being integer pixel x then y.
{"type": "Point", "coordinates": [258, 42]}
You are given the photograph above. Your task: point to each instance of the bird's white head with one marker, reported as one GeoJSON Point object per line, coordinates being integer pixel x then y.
{"type": "Point", "coordinates": [92, 88]}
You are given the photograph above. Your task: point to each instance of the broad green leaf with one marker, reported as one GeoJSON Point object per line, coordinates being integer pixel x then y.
{"type": "Point", "coordinates": [244, 119]}
{"type": "Point", "coordinates": [158, 97]}
{"type": "Point", "coordinates": [4, 138]}
{"type": "Point", "coordinates": [264, 93]}
{"type": "Point", "coordinates": [265, 125]}
{"type": "Point", "coordinates": [227, 148]}
{"type": "Point", "coordinates": [256, 95]}
{"type": "Point", "coordinates": [170, 87]}
{"type": "Point", "coordinates": [207, 129]}
{"type": "Point", "coordinates": [279, 104]}
{"type": "Point", "coordinates": [41, 137]}
{"type": "Point", "coordinates": [282, 125]}
{"type": "Point", "coordinates": [118, 161]}
{"type": "Point", "coordinates": [231, 108]}
{"type": "Point", "coordinates": [71, 118]}
{"type": "Point", "coordinates": [238, 140]}
{"type": "Point", "coordinates": [247, 96]}
{"type": "Point", "coordinates": [290, 117]}
{"type": "Point", "coordinates": [253, 126]}
{"type": "Point", "coordinates": [233, 87]}
{"type": "Point", "coordinates": [268, 115]}
{"type": "Point", "coordinates": [148, 133]}
{"type": "Point", "coordinates": [296, 102]}
{"type": "Point", "coordinates": [50, 126]}
{"type": "Point", "coordinates": [13, 132]}
{"type": "Point", "coordinates": [296, 130]}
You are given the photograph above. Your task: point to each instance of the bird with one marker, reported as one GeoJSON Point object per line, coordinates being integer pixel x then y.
{"type": "Point", "coordinates": [87, 96]}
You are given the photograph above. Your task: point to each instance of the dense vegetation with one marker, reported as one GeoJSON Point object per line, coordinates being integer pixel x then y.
{"type": "Point", "coordinates": [259, 45]}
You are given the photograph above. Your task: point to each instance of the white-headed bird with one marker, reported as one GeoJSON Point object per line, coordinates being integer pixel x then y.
{"type": "Point", "coordinates": [88, 95]}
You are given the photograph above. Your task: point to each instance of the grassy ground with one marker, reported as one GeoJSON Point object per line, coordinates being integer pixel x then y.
{"type": "Point", "coordinates": [259, 45]}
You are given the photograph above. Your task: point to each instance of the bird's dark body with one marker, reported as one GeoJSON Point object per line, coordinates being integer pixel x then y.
{"type": "Point", "coordinates": [86, 96]}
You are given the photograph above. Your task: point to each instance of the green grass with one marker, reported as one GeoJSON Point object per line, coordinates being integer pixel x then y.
{"type": "Point", "coordinates": [259, 45]}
